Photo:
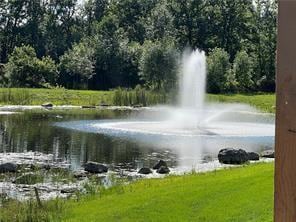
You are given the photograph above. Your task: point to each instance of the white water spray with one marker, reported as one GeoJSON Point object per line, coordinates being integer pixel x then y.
{"type": "Point", "coordinates": [193, 80]}
{"type": "Point", "coordinates": [192, 89]}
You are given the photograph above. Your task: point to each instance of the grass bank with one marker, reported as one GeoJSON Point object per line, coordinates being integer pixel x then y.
{"type": "Point", "coordinates": [233, 195]}
{"type": "Point", "coordinates": [139, 96]}
{"type": "Point", "coordinates": [60, 96]}
{"type": "Point", "coordinates": [264, 102]}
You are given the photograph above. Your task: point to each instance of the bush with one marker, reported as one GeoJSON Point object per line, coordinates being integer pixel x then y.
{"type": "Point", "coordinates": [24, 69]}
{"type": "Point", "coordinates": [243, 71]}
{"type": "Point", "coordinates": [220, 77]}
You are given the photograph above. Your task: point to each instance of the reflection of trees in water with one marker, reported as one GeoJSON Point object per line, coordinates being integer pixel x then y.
{"type": "Point", "coordinates": [34, 131]}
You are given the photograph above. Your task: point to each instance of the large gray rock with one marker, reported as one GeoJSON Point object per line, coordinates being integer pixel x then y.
{"type": "Point", "coordinates": [268, 154]}
{"type": "Point", "coordinates": [233, 156]}
{"type": "Point", "coordinates": [8, 168]}
{"type": "Point", "coordinates": [253, 156]}
{"type": "Point", "coordinates": [163, 170]}
{"type": "Point", "coordinates": [160, 164]}
{"type": "Point", "coordinates": [93, 167]}
{"type": "Point", "coordinates": [145, 170]}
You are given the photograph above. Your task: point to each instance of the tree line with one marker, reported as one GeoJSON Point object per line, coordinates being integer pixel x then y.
{"type": "Point", "coordinates": [104, 44]}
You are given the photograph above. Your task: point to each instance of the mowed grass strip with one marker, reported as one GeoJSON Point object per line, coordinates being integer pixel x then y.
{"type": "Point", "coordinates": [233, 195]}
{"type": "Point", "coordinates": [264, 102]}
{"type": "Point", "coordinates": [60, 96]}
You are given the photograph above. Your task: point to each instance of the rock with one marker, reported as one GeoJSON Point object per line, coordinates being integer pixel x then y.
{"type": "Point", "coordinates": [29, 179]}
{"type": "Point", "coordinates": [160, 164]}
{"type": "Point", "coordinates": [137, 106]}
{"type": "Point", "coordinates": [8, 168]}
{"type": "Point", "coordinates": [145, 170]}
{"type": "Point", "coordinates": [163, 170]}
{"type": "Point", "coordinates": [68, 190]}
{"type": "Point", "coordinates": [93, 167]}
{"type": "Point", "coordinates": [47, 105]}
{"type": "Point", "coordinates": [253, 156]}
{"type": "Point", "coordinates": [233, 156]}
{"type": "Point", "coordinates": [104, 105]}
{"type": "Point", "coordinates": [268, 154]}
{"type": "Point", "coordinates": [88, 107]}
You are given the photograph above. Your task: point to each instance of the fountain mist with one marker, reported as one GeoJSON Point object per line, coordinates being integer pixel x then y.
{"type": "Point", "coordinates": [189, 114]}
{"type": "Point", "coordinates": [193, 80]}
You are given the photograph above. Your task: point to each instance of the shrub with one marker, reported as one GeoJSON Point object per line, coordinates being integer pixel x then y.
{"type": "Point", "coordinates": [24, 69]}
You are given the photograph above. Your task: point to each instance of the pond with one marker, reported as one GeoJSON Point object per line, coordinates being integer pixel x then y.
{"type": "Point", "coordinates": [80, 135]}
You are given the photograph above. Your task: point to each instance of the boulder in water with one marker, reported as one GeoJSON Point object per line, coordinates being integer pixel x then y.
{"type": "Point", "coordinates": [145, 170]}
{"type": "Point", "coordinates": [268, 154]}
{"type": "Point", "coordinates": [163, 170]}
{"type": "Point", "coordinates": [93, 167]}
{"type": "Point", "coordinates": [253, 156]}
{"type": "Point", "coordinates": [233, 156]}
{"type": "Point", "coordinates": [160, 164]}
{"type": "Point", "coordinates": [8, 168]}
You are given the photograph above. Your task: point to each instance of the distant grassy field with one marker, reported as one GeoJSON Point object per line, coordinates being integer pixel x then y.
{"type": "Point", "coordinates": [243, 194]}
{"type": "Point", "coordinates": [13, 96]}
{"type": "Point", "coordinates": [264, 102]}
{"type": "Point", "coordinates": [23, 96]}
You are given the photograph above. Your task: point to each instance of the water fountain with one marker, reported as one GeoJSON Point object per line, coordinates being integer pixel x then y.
{"type": "Point", "coordinates": [192, 127]}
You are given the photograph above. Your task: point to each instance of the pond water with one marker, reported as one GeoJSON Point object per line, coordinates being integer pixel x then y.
{"type": "Point", "coordinates": [81, 135]}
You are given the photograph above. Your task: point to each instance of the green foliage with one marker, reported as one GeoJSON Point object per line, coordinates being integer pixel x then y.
{"type": "Point", "coordinates": [77, 65]}
{"type": "Point", "coordinates": [159, 65]}
{"type": "Point", "coordinates": [99, 44]}
{"type": "Point", "coordinates": [220, 75]}
{"type": "Point", "coordinates": [243, 68]}
{"type": "Point", "coordinates": [138, 96]}
{"type": "Point", "coordinates": [24, 69]}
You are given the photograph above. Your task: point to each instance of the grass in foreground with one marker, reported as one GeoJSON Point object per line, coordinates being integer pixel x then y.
{"type": "Point", "coordinates": [237, 194]}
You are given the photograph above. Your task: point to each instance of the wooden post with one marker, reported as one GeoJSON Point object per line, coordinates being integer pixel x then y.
{"type": "Point", "coordinates": [285, 140]}
{"type": "Point", "coordinates": [37, 197]}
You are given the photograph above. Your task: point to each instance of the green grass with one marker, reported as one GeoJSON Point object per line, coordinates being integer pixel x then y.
{"type": "Point", "coordinates": [59, 96]}
{"type": "Point", "coordinates": [242, 194]}
{"type": "Point", "coordinates": [264, 102]}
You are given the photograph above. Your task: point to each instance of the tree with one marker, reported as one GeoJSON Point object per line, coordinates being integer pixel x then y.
{"type": "Point", "coordinates": [264, 44]}
{"type": "Point", "coordinates": [159, 65]}
{"type": "Point", "coordinates": [220, 77]}
{"type": "Point", "coordinates": [189, 22]}
{"type": "Point", "coordinates": [159, 24]}
{"type": "Point", "coordinates": [24, 69]}
{"type": "Point", "coordinates": [228, 24]}
{"type": "Point", "coordinates": [243, 71]}
{"type": "Point", "coordinates": [77, 65]}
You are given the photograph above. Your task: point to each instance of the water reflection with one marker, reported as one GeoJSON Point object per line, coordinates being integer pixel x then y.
{"type": "Point", "coordinates": [37, 130]}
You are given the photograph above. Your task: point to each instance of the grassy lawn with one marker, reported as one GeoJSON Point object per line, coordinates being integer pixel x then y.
{"type": "Point", "coordinates": [21, 96]}
{"type": "Point", "coordinates": [264, 102]}
{"type": "Point", "coordinates": [13, 96]}
{"type": "Point", "coordinates": [241, 194]}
